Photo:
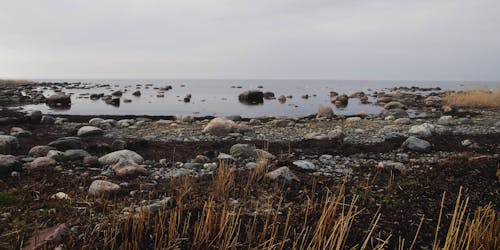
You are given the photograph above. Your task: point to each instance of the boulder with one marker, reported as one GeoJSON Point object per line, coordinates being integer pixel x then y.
{"type": "Point", "coordinates": [66, 143]}
{"type": "Point", "coordinates": [114, 157]}
{"type": "Point", "coordinates": [340, 100]}
{"type": "Point", "coordinates": [96, 121]}
{"type": "Point", "coordinates": [8, 163]}
{"type": "Point", "coordinates": [128, 168]}
{"type": "Point", "coordinates": [59, 100]}
{"type": "Point", "coordinates": [102, 187]}
{"type": "Point", "coordinates": [324, 111]}
{"type": "Point", "coordinates": [42, 163]}
{"type": "Point", "coordinates": [395, 105]}
{"type": "Point", "coordinates": [243, 151]}
{"type": "Point", "coordinates": [251, 97]}
{"type": "Point", "coordinates": [422, 130]}
{"type": "Point", "coordinates": [89, 131]}
{"type": "Point", "coordinates": [8, 144]}
{"type": "Point", "coordinates": [269, 95]}
{"type": "Point", "coordinates": [35, 116]}
{"type": "Point", "coordinates": [416, 144]}
{"type": "Point", "coordinates": [220, 127]}
{"type": "Point", "coordinates": [282, 174]}
{"type": "Point", "coordinates": [40, 151]}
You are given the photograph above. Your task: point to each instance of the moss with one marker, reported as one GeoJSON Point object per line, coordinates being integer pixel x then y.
{"type": "Point", "coordinates": [7, 197]}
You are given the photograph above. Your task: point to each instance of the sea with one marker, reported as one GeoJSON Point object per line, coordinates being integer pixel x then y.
{"type": "Point", "coordinates": [219, 97]}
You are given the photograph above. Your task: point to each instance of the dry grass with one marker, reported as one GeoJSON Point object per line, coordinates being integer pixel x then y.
{"type": "Point", "coordinates": [474, 99]}
{"type": "Point", "coordinates": [5, 82]}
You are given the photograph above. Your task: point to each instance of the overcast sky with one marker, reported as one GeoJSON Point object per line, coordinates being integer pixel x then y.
{"type": "Point", "coordinates": [351, 39]}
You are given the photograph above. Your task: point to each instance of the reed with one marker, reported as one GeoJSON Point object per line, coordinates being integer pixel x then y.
{"type": "Point", "coordinates": [474, 99]}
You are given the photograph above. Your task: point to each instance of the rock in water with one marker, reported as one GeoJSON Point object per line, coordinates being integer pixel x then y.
{"type": "Point", "coordinates": [394, 105]}
{"type": "Point", "coordinates": [89, 131]}
{"type": "Point", "coordinates": [59, 100]}
{"type": "Point", "coordinates": [8, 144]}
{"type": "Point", "coordinates": [220, 127]}
{"type": "Point", "coordinates": [416, 144]}
{"type": "Point", "coordinates": [101, 187]}
{"type": "Point", "coordinates": [251, 97]}
{"type": "Point", "coordinates": [114, 157]}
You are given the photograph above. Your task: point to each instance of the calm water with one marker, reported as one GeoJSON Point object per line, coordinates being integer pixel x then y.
{"type": "Point", "coordinates": [216, 97]}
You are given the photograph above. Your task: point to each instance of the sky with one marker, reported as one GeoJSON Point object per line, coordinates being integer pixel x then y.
{"type": "Point", "coordinates": [260, 39]}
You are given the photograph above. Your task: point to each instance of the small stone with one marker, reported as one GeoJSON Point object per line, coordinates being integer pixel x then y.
{"type": "Point", "coordinates": [41, 163]}
{"type": "Point", "coordinates": [416, 144]}
{"type": "Point", "coordinates": [89, 131]}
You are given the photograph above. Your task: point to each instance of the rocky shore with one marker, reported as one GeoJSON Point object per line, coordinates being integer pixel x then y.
{"type": "Point", "coordinates": [62, 176]}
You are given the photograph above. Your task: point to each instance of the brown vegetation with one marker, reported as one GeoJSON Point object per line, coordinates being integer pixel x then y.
{"type": "Point", "coordinates": [474, 99]}
{"type": "Point", "coordinates": [5, 82]}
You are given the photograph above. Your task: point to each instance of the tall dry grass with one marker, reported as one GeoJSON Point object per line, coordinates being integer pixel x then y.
{"type": "Point", "coordinates": [474, 99]}
{"type": "Point", "coordinates": [8, 82]}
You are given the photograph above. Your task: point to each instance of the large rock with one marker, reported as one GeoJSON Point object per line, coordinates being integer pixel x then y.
{"type": "Point", "coordinates": [395, 105]}
{"type": "Point", "coordinates": [282, 174]}
{"type": "Point", "coordinates": [114, 157]}
{"type": "Point", "coordinates": [59, 100]}
{"type": "Point", "coordinates": [53, 234]}
{"type": "Point", "coordinates": [395, 113]}
{"type": "Point", "coordinates": [422, 130]}
{"type": "Point", "coordinates": [128, 168]}
{"type": "Point", "coordinates": [220, 127]}
{"type": "Point", "coordinates": [40, 151]}
{"type": "Point", "coordinates": [251, 97]}
{"type": "Point", "coordinates": [101, 187]}
{"type": "Point", "coordinates": [42, 163]}
{"type": "Point", "coordinates": [324, 111]}
{"type": "Point", "coordinates": [416, 144]}
{"type": "Point", "coordinates": [66, 143]}
{"type": "Point", "coordinates": [243, 151]}
{"type": "Point", "coordinates": [8, 144]}
{"type": "Point", "coordinates": [89, 131]}
{"type": "Point", "coordinates": [8, 163]}
{"type": "Point", "coordinates": [340, 100]}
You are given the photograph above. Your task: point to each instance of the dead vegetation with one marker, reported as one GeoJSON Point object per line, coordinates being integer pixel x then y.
{"type": "Point", "coordinates": [8, 82]}
{"type": "Point", "coordinates": [474, 99]}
